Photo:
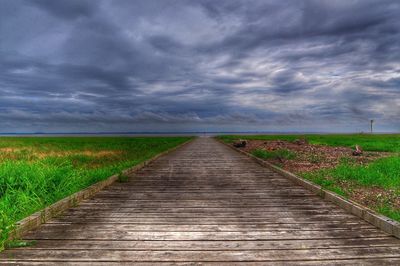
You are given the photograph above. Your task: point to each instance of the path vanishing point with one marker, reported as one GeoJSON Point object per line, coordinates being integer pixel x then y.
{"type": "Point", "coordinates": [206, 204]}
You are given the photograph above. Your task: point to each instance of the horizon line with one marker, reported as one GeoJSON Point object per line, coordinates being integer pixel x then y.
{"type": "Point", "coordinates": [195, 132]}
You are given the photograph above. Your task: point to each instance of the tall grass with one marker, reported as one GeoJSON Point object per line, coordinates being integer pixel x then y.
{"type": "Point", "coordinates": [36, 172]}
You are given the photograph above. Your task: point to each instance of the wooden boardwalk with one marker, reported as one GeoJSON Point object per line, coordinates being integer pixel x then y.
{"type": "Point", "coordinates": [206, 204]}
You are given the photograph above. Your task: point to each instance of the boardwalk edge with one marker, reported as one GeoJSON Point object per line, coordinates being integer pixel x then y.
{"type": "Point", "coordinates": [42, 216]}
{"type": "Point", "coordinates": [386, 224]}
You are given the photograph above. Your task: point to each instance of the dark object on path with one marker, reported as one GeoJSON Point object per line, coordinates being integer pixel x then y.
{"type": "Point", "coordinates": [358, 151]}
{"type": "Point", "coordinates": [240, 143]}
{"type": "Point", "coordinates": [302, 141]}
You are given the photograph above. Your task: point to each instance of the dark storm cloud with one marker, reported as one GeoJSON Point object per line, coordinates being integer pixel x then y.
{"type": "Point", "coordinates": [199, 65]}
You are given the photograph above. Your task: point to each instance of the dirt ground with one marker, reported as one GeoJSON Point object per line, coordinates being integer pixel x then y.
{"type": "Point", "coordinates": [373, 196]}
{"type": "Point", "coordinates": [310, 157]}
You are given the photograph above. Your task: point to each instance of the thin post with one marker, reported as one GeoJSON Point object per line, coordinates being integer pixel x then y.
{"type": "Point", "coordinates": [372, 121]}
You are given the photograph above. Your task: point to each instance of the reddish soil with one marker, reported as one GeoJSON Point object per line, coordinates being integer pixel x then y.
{"type": "Point", "coordinates": [374, 196]}
{"type": "Point", "coordinates": [310, 157]}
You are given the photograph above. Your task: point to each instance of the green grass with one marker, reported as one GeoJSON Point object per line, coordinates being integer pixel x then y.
{"type": "Point", "coordinates": [383, 173]}
{"type": "Point", "coordinates": [36, 172]}
{"type": "Point", "coordinates": [122, 178]}
{"type": "Point", "coordinates": [368, 142]}
{"type": "Point", "coordinates": [389, 212]}
{"type": "Point", "coordinates": [347, 177]}
{"type": "Point", "coordinates": [277, 154]}
{"type": "Point", "coordinates": [20, 243]}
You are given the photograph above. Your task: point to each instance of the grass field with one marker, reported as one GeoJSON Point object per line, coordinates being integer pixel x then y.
{"type": "Point", "coordinates": [36, 172]}
{"type": "Point", "coordinates": [375, 184]}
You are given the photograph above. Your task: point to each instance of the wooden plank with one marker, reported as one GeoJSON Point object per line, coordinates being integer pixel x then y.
{"type": "Point", "coordinates": [200, 194]}
{"type": "Point", "coordinates": [188, 209]}
{"type": "Point", "coordinates": [334, 262]}
{"type": "Point", "coordinates": [215, 245]}
{"type": "Point", "coordinates": [197, 204]}
{"type": "Point", "coordinates": [242, 212]}
{"type": "Point", "coordinates": [204, 220]}
{"type": "Point", "coordinates": [201, 227]}
{"type": "Point", "coordinates": [204, 255]}
{"type": "Point", "coordinates": [217, 236]}
{"type": "Point", "coordinates": [219, 202]}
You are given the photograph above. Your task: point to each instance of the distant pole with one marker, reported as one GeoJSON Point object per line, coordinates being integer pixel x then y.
{"type": "Point", "coordinates": [372, 122]}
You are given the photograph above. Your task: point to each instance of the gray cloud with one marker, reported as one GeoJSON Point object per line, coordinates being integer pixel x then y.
{"type": "Point", "coordinates": [70, 9]}
{"type": "Point", "coordinates": [199, 65]}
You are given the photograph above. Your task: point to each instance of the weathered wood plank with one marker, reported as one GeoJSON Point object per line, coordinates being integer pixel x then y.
{"type": "Point", "coordinates": [170, 209]}
{"type": "Point", "coordinates": [215, 245]}
{"type": "Point", "coordinates": [70, 227]}
{"type": "Point", "coordinates": [218, 236]}
{"type": "Point", "coordinates": [207, 220]}
{"type": "Point", "coordinates": [204, 255]}
{"type": "Point", "coordinates": [352, 262]}
{"type": "Point", "coordinates": [243, 212]}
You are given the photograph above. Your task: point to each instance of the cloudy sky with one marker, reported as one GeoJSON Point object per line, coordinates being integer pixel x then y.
{"type": "Point", "coordinates": [76, 65]}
